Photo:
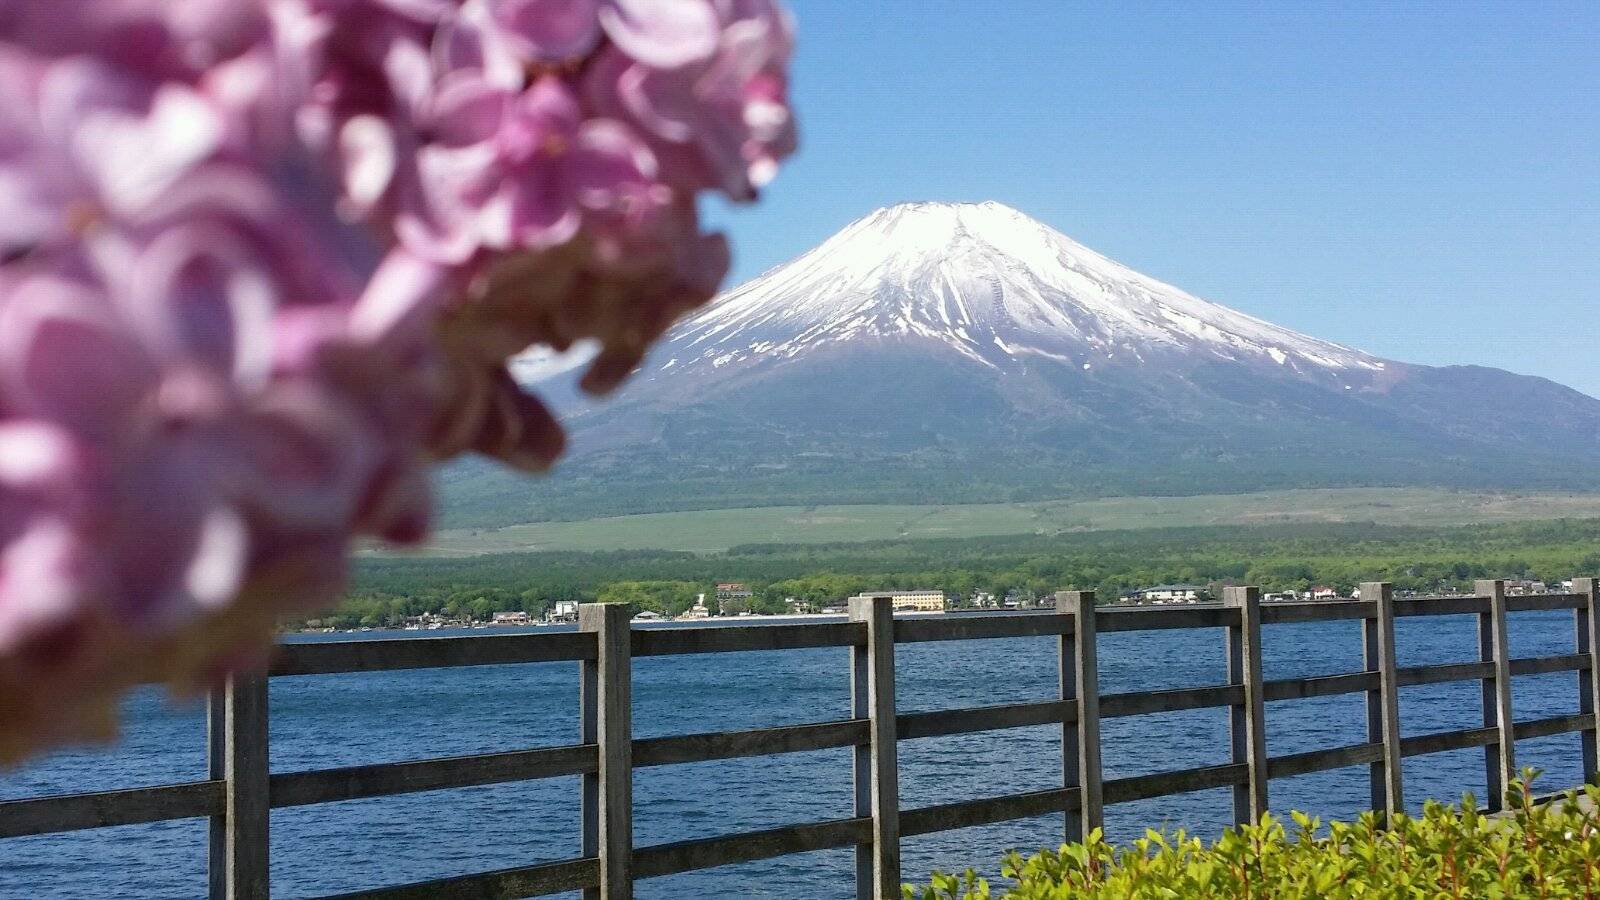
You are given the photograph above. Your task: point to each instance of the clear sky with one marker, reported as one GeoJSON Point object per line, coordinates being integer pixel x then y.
{"type": "Point", "coordinates": [1423, 184]}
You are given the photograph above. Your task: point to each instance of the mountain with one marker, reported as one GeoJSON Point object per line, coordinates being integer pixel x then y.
{"type": "Point", "coordinates": [940, 353]}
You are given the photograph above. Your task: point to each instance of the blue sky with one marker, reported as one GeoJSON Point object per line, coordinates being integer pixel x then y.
{"type": "Point", "coordinates": [1423, 183]}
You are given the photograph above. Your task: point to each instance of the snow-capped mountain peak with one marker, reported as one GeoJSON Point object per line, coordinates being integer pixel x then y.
{"type": "Point", "coordinates": [994, 285]}
{"type": "Point", "coordinates": [950, 353]}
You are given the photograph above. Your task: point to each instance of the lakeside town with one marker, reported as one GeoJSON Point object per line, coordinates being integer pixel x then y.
{"type": "Point", "coordinates": [733, 600]}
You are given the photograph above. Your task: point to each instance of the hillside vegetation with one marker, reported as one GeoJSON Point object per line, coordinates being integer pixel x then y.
{"type": "Point", "coordinates": [1274, 557]}
{"type": "Point", "coordinates": [1449, 852]}
{"type": "Point", "coordinates": [712, 530]}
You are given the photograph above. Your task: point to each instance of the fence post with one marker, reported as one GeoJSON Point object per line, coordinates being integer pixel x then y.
{"type": "Point", "coordinates": [605, 699]}
{"type": "Point", "coordinates": [1079, 665]}
{"type": "Point", "coordinates": [1586, 625]}
{"type": "Point", "coordinates": [877, 780]}
{"type": "Point", "coordinates": [1248, 720]}
{"type": "Point", "coordinates": [237, 750]}
{"type": "Point", "coordinates": [1499, 758]}
{"type": "Point", "coordinates": [1383, 704]}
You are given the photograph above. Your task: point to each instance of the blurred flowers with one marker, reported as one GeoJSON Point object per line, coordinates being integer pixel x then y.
{"type": "Point", "coordinates": [263, 261]}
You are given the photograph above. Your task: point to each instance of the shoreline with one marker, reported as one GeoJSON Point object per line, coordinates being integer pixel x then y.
{"type": "Point", "coordinates": [713, 621]}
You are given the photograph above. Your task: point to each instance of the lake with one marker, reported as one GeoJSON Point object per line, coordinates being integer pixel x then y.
{"type": "Point", "coordinates": [341, 720]}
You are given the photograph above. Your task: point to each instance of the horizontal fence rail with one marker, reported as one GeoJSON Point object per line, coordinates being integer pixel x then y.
{"type": "Point", "coordinates": [241, 791]}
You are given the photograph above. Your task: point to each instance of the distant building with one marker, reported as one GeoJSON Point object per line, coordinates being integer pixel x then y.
{"type": "Point", "coordinates": [1170, 593]}
{"type": "Point", "coordinates": [512, 618]}
{"type": "Point", "coordinates": [912, 601]}
{"type": "Point", "coordinates": [1324, 593]}
{"type": "Point", "coordinates": [563, 611]}
{"type": "Point", "coordinates": [1521, 587]}
{"type": "Point", "coordinates": [646, 615]}
{"type": "Point", "coordinates": [733, 590]}
{"type": "Point", "coordinates": [699, 610]}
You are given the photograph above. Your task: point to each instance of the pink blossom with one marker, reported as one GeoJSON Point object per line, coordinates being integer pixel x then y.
{"type": "Point", "coordinates": [521, 170]}
{"type": "Point", "coordinates": [263, 261]}
{"type": "Point", "coordinates": [507, 38]}
{"type": "Point", "coordinates": [144, 38]}
{"type": "Point", "coordinates": [516, 32]}
{"type": "Point", "coordinates": [720, 123]}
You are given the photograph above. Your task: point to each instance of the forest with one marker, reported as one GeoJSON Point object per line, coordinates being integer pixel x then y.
{"type": "Point", "coordinates": [384, 591]}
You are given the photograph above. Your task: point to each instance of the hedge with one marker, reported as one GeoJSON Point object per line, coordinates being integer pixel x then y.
{"type": "Point", "coordinates": [1536, 849]}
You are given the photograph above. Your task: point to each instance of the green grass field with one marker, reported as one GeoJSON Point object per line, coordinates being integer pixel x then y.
{"type": "Point", "coordinates": [713, 530]}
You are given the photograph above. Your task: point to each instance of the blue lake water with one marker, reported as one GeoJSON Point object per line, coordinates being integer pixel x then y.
{"type": "Point", "coordinates": [327, 721]}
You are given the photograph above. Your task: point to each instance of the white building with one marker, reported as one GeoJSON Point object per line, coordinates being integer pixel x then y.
{"type": "Point", "coordinates": [699, 610]}
{"type": "Point", "coordinates": [912, 601]}
{"type": "Point", "coordinates": [1170, 593]}
{"type": "Point", "coordinates": [563, 611]}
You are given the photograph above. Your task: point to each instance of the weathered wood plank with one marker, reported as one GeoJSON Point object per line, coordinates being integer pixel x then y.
{"type": "Point", "coordinates": [1203, 615]}
{"type": "Point", "coordinates": [1586, 633]}
{"type": "Point", "coordinates": [607, 682]}
{"type": "Point", "coordinates": [1319, 686]}
{"type": "Point", "coordinates": [105, 809]}
{"type": "Point", "coordinates": [987, 811]}
{"type": "Point", "coordinates": [1494, 648]}
{"type": "Point", "coordinates": [1080, 659]}
{"type": "Point", "coordinates": [742, 638]}
{"type": "Point", "coordinates": [1383, 705]}
{"type": "Point", "coordinates": [387, 779]}
{"type": "Point", "coordinates": [1333, 610]}
{"type": "Point", "coordinates": [217, 769]}
{"type": "Point", "coordinates": [1544, 665]}
{"type": "Point", "coordinates": [1439, 606]}
{"type": "Point", "coordinates": [876, 770]}
{"type": "Point", "coordinates": [1538, 728]}
{"type": "Point", "coordinates": [1316, 611]}
{"type": "Point", "coordinates": [1443, 673]}
{"type": "Point", "coordinates": [240, 843]}
{"type": "Point", "coordinates": [1247, 720]}
{"type": "Point", "coordinates": [980, 627]}
{"type": "Point", "coordinates": [1292, 764]}
{"type": "Point", "coordinates": [911, 726]}
{"type": "Point", "coordinates": [709, 853]}
{"type": "Point", "coordinates": [1443, 741]}
{"type": "Point", "coordinates": [1141, 703]}
{"type": "Point", "coordinates": [503, 884]}
{"type": "Point", "coordinates": [1182, 781]}
{"type": "Point", "coordinates": [431, 653]}
{"type": "Point", "coordinates": [1546, 602]}
{"type": "Point", "coordinates": [1069, 604]}
{"type": "Point", "coordinates": [694, 748]}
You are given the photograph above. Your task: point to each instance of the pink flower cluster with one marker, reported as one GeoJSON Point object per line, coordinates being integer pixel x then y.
{"type": "Point", "coordinates": [263, 261]}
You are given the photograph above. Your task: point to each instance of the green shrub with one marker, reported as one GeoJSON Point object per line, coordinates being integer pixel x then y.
{"type": "Point", "coordinates": [1536, 850]}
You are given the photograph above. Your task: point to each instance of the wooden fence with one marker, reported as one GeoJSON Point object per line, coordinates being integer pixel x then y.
{"type": "Point", "coordinates": [240, 792]}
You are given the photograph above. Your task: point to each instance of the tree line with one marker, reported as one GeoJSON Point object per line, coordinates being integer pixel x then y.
{"type": "Point", "coordinates": [1288, 557]}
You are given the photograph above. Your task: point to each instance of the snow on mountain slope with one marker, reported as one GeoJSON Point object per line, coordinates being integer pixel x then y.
{"type": "Point", "coordinates": [964, 353]}
{"type": "Point", "coordinates": [992, 284]}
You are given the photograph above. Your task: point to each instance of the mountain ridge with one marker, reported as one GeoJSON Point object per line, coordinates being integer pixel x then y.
{"type": "Point", "coordinates": [939, 269]}
{"type": "Point", "coordinates": [968, 353]}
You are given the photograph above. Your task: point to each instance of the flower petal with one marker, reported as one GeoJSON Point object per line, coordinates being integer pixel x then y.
{"type": "Point", "coordinates": [662, 33]}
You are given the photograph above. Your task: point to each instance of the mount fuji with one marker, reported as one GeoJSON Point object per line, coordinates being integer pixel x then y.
{"type": "Point", "coordinates": [942, 353]}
